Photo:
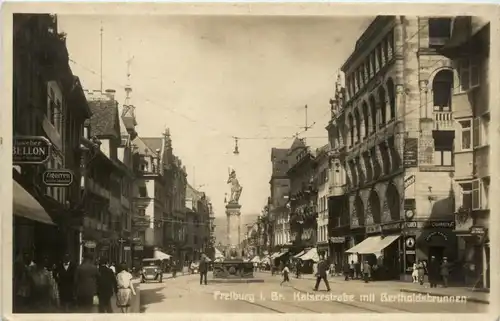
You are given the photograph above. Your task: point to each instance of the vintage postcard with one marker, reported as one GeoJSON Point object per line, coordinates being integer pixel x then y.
{"type": "Point", "coordinates": [249, 158]}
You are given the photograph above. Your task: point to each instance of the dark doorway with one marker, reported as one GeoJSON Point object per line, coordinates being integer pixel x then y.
{"type": "Point", "coordinates": [437, 252]}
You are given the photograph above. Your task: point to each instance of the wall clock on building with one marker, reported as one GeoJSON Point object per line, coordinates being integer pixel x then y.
{"type": "Point", "coordinates": [409, 214]}
{"type": "Point", "coordinates": [410, 242]}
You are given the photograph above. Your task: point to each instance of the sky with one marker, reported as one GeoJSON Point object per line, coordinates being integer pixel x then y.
{"type": "Point", "coordinates": [212, 78]}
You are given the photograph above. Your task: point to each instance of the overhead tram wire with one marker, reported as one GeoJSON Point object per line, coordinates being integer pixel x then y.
{"type": "Point", "coordinates": [162, 106]}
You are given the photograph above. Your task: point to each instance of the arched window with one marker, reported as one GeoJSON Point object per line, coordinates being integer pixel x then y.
{"type": "Point", "coordinates": [366, 117]}
{"type": "Point", "coordinates": [383, 105]}
{"type": "Point", "coordinates": [360, 210]}
{"type": "Point", "coordinates": [392, 98]}
{"type": "Point", "coordinates": [357, 119]}
{"type": "Point", "coordinates": [442, 89]}
{"type": "Point", "coordinates": [393, 202]}
{"type": "Point", "coordinates": [351, 129]}
{"type": "Point", "coordinates": [373, 109]}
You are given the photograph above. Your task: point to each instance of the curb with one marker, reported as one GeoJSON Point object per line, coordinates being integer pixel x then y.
{"type": "Point", "coordinates": [469, 299]}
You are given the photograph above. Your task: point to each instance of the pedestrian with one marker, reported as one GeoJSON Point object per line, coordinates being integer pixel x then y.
{"type": "Point", "coordinates": [433, 271]}
{"type": "Point", "coordinates": [298, 268]}
{"type": "Point", "coordinates": [125, 289]}
{"type": "Point", "coordinates": [414, 273]}
{"type": "Point", "coordinates": [203, 269]}
{"type": "Point", "coordinates": [106, 287]}
{"type": "Point", "coordinates": [43, 297]}
{"type": "Point", "coordinates": [321, 273]}
{"type": "Point", "coordinates": [285, 272]}
{"type": "Point", "coordinates": [352, 268]}
{"type": "Point", "coordinates": [367, 271]}
{"type": "Point", "coordinates": [421, 272]}
{"type": "Point", "coordinates": [22, 282]}
{"type": "Point", "coordinates": [347, 271]}
{"type": "Point", "coordinates": [332, 269]}
{"type": "Point", "coordinates": [86, 276]}
{"type": "Point", "coordinates": [357, 270]}
{"type": "Point", "coordinates": [174, 268]}
{"type": "Point", "coordinates": [112, 267]}
{"type": "Point", "coordinates": [64, 275]}
{"type": "Point", "coordinates": [445, 271]}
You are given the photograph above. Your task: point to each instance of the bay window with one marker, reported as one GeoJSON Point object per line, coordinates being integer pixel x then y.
{"type": "Point", "coordinates": [470, 195]}
{"type": "Point", "coordinates": [469, 74]}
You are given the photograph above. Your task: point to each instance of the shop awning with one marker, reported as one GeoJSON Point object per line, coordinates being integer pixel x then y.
{"type": "Point", "coordinates": [275, 255]}
{"type": "Point", "coordinates": [365, 246]}
{"type": "Point", "coordinates": [161, 256]}
{"type": "Point", "coordinates": [27, 206]}
{"type": "Point", "coordinates": [300, 254]}
{"type": "Point", "coordinates": [382, 244]}
{"type": "Point", "coordinates": [256, 259]}
{"type": "Point", "coordinates": [312, 254]}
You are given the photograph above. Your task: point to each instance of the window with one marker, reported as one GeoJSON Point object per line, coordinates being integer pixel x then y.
{"type": "Point", "coordinates": [143, 192]}
{"type": "Point", "coordinates": [471, 195]}
{"type": "Point", "coordinates": [480, 131]}
{"type": "Point", "coordinates": [468, 71]}
{"type": "Point", "coordinates": [374, 64]}
{"type": "Point", "coordinates": [390, 40]}
{"type": "Point", "coordinates": [465, 135]}
{"type": "Point", "coordinates": [439, 31]}
{"type": "Point", "coordinates": [358, 125]}
{"type": "Point", "coordinates": [380, 57]}
{"type": "Point", "coordinates": [442, 89]}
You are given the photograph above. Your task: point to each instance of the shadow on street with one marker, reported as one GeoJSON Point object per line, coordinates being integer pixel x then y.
{"type": "Point", "coordinates": [151, 296]}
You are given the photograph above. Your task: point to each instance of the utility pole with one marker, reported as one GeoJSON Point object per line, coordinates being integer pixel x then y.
{"type": "Point", "coordinates": [101, 54]}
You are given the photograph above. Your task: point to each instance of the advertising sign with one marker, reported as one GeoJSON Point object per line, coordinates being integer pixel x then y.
{"type": "Point", "coordinates": [30, 150]}
{"type": "Point", "coordinates": [58, 177]}
{"type": "Point", "coordinates": [410, 153]}
{"type": "Point", "coordinates": [89, 244]}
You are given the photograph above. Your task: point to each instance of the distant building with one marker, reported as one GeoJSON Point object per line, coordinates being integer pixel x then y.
{"type": "Point", "coordinates": [198, 223]}
{"type": "Point", "coordinates": [278, 210]}
{"type": "Point", "coordinates": [321, 181]}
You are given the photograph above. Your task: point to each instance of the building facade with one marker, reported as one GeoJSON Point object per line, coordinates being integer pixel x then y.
{"type": "Point", "coordinates": [303, 196]}
{"type": "Point", "coordinates": [198, 222]}
{"type": "Point", "coordinates": [279, 218]}
{"type": "Point", "coordinates": [321, 180]}
{"type": "Point", "coordinates": [469, 47]}
{"type": "Point", "coordinates": [48, 101]}
{"type": "Point", "coordinates": [396, 127]}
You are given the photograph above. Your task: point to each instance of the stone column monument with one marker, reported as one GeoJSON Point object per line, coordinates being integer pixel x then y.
{"type": "Point", "coordinates": [233, 213]}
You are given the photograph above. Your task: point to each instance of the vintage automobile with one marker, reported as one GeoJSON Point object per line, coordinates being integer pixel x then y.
{"type": "Point", "coordinates": [151, 270]}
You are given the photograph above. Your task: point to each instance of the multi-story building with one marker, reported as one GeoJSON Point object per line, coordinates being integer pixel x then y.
{"type": "Point", "coordinates": [106, 225]}
{"type": "Point", "coordinates": [321, 180]}
{"type": "Point", "coordinates": [469, 47]}
{"type": "Point", "coordinates": [48, 101]}
{"type": "Point", "coordinates": [338, 199]}
{"type": "Point", "coordinates": [278, 211]}
{"type": "Point", "coordinates": [303, 196]}
{"type": "Point", "coordinates": [198, 222]}
{"type": "Point", "coordinates": [397, 129]}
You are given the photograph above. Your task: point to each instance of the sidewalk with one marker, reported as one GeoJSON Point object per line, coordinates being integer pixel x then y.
{"type": "Point", "coordinates": [408, 287]}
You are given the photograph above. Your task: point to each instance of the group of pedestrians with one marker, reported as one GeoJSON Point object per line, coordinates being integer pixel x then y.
{"type": "Point", "coordinates": [67, 287]}
{"type": "Point", "coordinates": [322, 269]}
{"type": "Point", "coordinates": [436, 272]}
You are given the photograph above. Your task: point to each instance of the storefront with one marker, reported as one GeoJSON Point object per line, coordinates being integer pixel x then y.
{"type": "Point", "coordinates": [475, 255]}
{"type": "Point", "coordinates": [324, 248]}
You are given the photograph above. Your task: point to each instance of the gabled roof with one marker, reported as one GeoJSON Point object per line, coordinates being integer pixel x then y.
{"type": "Point", "coordinates": [104, 120]}
{"type": "Point", "coordinates": [297, 143]}
{"type": "Point", "coordinates": [142, 147]}
{"type": "Point", "coordinates": [153, 143]}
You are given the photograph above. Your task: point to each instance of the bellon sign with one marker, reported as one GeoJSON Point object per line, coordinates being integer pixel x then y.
{"type": "Point", "coordinates": [30, 150]}
{"type": "Point", "coordinates": [58, 177]}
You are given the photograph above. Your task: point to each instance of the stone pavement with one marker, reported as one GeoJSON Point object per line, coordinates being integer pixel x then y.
{"type": "Point", "coordinates": [409, 287]}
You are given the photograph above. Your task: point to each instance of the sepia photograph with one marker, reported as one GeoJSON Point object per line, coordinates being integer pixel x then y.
{"type": "Point", "coordinates": [213, 163]}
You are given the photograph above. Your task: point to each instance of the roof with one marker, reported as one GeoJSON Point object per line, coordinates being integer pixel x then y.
{"type": "Point", "coordinates": [142, 147]}
{"type": "Point", "coordinates": [104, 120]}
{"type": "Point", "coordinates": [154, 143]}
{"type": "Point", "coordinates": [297, 143]}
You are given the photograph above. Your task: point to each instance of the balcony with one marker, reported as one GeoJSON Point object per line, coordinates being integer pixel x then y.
{"type": "Point", "coordinates": [443, 120]}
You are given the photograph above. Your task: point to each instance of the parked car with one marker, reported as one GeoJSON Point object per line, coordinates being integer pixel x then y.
{"type": "Point", "coordinates": [151, 270]}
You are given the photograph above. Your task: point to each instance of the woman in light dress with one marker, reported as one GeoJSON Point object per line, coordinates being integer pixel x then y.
{"type": "Point", "coordinates": [125, 289]}
{"type": "Point", "coordinates": [414, 274]}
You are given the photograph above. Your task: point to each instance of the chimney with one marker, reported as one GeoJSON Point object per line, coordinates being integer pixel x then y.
{"type": "Point", "coordinates": [110, 94]}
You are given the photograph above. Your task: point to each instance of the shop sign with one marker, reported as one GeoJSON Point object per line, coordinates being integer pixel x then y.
{"type": "Point", "coordinates": [477, 230]}
{"type": "Point", "coordinates": [428, 238]}
{"type": "Point", "coordinates": [58, 177]}
{"type": "Point", "coordinates": [90, 244]}
{"type": "Point", "coordinates": [410, 252]}
{"type": "Point", "coordinates": [432, 224]}
{"type": "Point", "coordinates": [138, 248]}
{"type": "Point", "coordinates": [410, 153]}
{"type": "Point", "coordinates": [373, 229]}
{"type": "Point", "coordinates": [141, 222]}
{"type": "Point", "coordinates": [337, 239]}
{"type": "Point", "coordinates": [392, 226]}
{"type": "Point", "coordinates": [126, 248]}
{"type": "Point", "coordinates": [30, 150]}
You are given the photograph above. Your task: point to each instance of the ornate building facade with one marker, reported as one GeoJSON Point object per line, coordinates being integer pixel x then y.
{"type": "Point", "coordinates": [394, 131]}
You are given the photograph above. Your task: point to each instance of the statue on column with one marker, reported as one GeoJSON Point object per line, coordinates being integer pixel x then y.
{"type": "Point", "coordinates": [236, 188]}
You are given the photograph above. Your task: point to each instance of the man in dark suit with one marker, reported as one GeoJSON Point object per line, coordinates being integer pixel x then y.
{"type": "Point", "coordinates": [106, 287]}
{"type": "Point", "coordinates": [203, 269]}
{"type": "Point", "coordinates": [322, 273]}
{"type": "Point", "coordinates": [64, 274]}
{"type": "Point", "coordinates": [86, 284]}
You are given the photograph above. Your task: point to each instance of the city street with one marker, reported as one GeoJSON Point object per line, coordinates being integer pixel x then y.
{"type": "Point", "coordinates": [184, 294]}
